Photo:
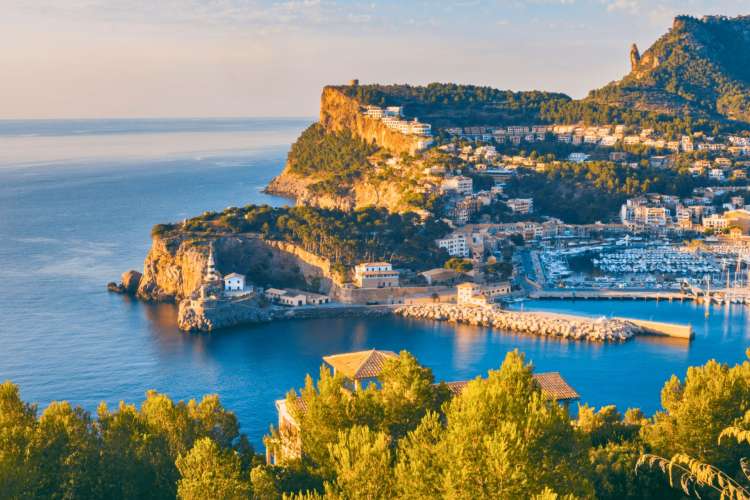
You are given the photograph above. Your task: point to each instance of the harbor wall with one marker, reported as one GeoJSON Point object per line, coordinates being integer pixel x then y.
{"type": "Point", "coordinates": [663, 329]}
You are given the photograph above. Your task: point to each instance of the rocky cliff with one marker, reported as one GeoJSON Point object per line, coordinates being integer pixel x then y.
{"type": "Point", "coordinates": [175, 265]}
{"type": "Point", "coordinates": [340, 113]}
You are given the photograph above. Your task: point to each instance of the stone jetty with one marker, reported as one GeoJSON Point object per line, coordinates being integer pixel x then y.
{"type": "Point", "coordinates": [534, 323]}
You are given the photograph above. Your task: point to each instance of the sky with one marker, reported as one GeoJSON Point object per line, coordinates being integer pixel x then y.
{"type": "Point", "coordinates": [221, 58]}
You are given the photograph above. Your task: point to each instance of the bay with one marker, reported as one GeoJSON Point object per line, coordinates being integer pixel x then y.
{"type": "Point", "coordinates": [77, 202]}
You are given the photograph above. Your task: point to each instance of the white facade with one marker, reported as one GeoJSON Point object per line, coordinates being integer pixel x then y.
{"type": "Point", "coordinates": [375, 275]}
{"type": "Point", "coordinates": [460, 184]}
{"type": "Point", "coordinates": [465, 292]}
{"type": "Point", "coordinates": [234, 282]}
{"type": "Point", "coordinates": [521, 205]}
{"type": "Point", "coordinates": [455, 245]}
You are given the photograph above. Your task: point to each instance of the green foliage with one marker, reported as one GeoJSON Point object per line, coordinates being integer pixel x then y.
{"type": "Point", "coordinates": [700, 65]}
{"type": "Point", "coordinates": [459, 265]}
{"type": "Point", "coordinates": [334, 159]}
{"type": "Point", "coordinates": [582, 193]}
{"type": "Point", "coordinates": [345, 238]}
{"type": "Point", "coordinates": [208, 471]}
{"type": "Point", "coordinates": [127, 453]}
{"type": "Point", "coordinates": [449, 104]}
{"type": "Point", "coordinates": [362, 464]}
{"type": "Point", "coordinates": [696, 410]}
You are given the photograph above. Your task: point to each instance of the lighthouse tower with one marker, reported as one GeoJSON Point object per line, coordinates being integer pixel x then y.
{"type": "Point", "coordinates": [212, 275]}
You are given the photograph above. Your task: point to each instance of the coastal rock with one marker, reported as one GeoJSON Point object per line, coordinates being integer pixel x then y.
{"type": "Point", "coordinates": [208, 315]}
{"type": "Point", "coordinates": [175, 266]}
{"type": "Point", "coordinates": [543, 324]}
{"type": "Point", "coordinates": [130, 281]}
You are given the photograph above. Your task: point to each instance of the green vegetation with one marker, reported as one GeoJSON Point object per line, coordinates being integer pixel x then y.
{"type": "Point", "coordinates": [459, 265]}
{"type": "Point", "coordinates": [154, 451]}
{"type": "Point", "coordinates": [409, 438]}
{"type": "Point", "coordinates": [501, 439]}
{"type": "Point", "coordinates": [592, 112]}
{"type": "Point", "coordinates": [345, 238]}
{"type": "Point", "coordinates": [700, 65]}
{"type": "Point", "coordinates": [450, 104]}
{"type": "Point", "coordinates": [582, 193]}
{"type": "Point", "coordinates": [334, 159]}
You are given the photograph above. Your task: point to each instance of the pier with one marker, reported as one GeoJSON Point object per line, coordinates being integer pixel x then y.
{"type": "Point", "coordinates": [662, 329]}
{"type": "Point", "coordinates": [612, 294]}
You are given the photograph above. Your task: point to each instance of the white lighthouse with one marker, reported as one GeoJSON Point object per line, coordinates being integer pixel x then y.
{"type": "Point", "coordinates": [212, 275]}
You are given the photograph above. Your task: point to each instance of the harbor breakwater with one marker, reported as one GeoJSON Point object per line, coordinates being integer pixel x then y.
{"type": "Point", "coordinates": [534, 323]}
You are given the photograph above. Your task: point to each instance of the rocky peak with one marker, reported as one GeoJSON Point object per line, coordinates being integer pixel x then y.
{"type": "Point", "coordinates": [635, 57]}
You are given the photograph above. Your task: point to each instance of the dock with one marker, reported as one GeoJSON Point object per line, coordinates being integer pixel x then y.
{"type": "Point", "coordinates": [661, 329]}
{"type": "Point", "coordinates": [611, 294]}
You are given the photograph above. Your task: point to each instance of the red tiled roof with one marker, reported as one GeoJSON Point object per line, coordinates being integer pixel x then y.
{"type": "Point", "coordinates": [555, 387]}
{"type": "Point", "coordinates": [360, 365]}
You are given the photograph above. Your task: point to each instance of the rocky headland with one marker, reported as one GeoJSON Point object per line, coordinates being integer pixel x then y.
{"type": "Point", "coordinates": [175, 265]}
{"type": "Point", "coordinates": [340, 113]}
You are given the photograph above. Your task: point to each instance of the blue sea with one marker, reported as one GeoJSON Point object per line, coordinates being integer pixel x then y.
{"type": "Point", "coordinates": [77, 201]}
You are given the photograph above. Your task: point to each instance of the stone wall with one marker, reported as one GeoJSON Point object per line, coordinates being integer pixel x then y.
{"type": "Point", "coordinates": [400, 295]}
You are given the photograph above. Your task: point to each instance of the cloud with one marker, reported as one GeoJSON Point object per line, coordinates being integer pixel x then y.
{"type": "Point", "coordinates": [630, 6]}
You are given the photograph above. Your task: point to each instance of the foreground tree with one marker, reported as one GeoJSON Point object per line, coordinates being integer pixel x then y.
{"type": "Point", "coordinates": [208, 471]}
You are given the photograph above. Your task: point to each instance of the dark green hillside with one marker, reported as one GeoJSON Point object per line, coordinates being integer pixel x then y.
{"type": "Point", "coordinates": [450, 104]}
{"type": "Point", "coordinates": [701, 66]}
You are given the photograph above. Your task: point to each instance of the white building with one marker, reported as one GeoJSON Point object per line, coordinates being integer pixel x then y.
{"type": "Point", "coordinates": [578, 157]}
{"type": "Point", "coordinates": [716, 222]}
{"type": "Point", "coordinates": [455, 244]}
{"type": "Point", "coordinates": [468, 293]}
{"type": "Point", "coordinates": [521, 205]}
{"type": "Point", "coordinates": [459, 183]}
{"type": "Point", "coordinates": [375, 275]}
{"type": "Point", "coordinates": [295, 298]}
{"type": "Point", "coordinates": [234, 282]}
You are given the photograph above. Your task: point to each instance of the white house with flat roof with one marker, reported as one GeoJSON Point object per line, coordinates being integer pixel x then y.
{"type": "Point", "coordinates": [234, 282]}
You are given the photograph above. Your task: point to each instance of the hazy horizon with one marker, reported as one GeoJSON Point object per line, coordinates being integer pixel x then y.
{"type": "Point", "coordinates": [85, 59]}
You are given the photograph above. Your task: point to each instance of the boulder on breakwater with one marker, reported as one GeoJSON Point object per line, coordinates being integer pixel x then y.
{"type": "Point", "coordinates": [534, 323]}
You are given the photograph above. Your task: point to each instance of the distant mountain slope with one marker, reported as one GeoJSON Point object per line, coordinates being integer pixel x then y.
{"type": "Point", "coordinates": [700, 66]}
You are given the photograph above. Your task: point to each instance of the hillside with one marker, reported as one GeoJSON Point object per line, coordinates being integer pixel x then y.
{"type": "Point", "coordinates": [700, 66]}
{"type": "Point", "coordinates": [450, 104]}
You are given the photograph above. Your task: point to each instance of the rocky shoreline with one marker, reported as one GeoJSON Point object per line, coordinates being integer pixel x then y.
{"type": "Point", "coordinates": [534, 323]}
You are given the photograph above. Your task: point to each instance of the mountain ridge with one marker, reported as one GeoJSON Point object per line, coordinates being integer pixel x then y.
{"type": "Point", "coordinates": [701, 66]}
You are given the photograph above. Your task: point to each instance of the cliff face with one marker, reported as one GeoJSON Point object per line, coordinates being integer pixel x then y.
{"type": "Point", "coordinates": [175, 266]}
{"type": "Point", "coordinates": [364, 193]}
{"type": "Point", "coordinates": [339, 113]}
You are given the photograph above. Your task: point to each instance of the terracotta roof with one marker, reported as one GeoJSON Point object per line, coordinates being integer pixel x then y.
{"type": "Point", "coordinates": [552, 384]}
{"type": "Point", "coordinates": [458, 387]}
{"type": "Point", "coordinates": [359, 365]}
{"type": "Point", "coordinates": [555, 387]}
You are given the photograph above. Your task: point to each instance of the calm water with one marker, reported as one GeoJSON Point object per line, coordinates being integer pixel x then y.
{"type": "Point", "coordinates": [77, 201]}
